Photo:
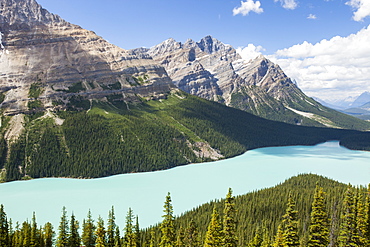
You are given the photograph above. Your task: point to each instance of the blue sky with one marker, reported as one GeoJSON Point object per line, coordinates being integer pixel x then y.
{"type": "Point", "coordinates": [269, 26]}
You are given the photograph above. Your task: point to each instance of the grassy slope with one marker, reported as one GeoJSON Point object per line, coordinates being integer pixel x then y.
{"type": "Point", "coordinates": [113, 137]}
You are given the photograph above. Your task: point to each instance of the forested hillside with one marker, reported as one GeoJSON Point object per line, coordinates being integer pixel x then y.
{"type": "Point", "coordinates": [101, 138]}
{"type": "Point", "coordinates": [306, 210]}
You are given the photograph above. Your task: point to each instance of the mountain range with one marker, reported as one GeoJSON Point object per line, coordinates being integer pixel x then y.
{"type": "Point", "coordinates": [74, 105]}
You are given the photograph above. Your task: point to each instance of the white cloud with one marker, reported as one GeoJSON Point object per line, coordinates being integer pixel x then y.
{"type": "Point", "coordinates": [312, 17]}
{"type": "Point", "coordinates": [247, 7]}
{"type": "Point", "coordinates": [362, 8]}
{"type": "Point", "coordinates": [288, 4]}
{"type": "Point", "coordinates": [334, 68]}
{"type": "Point", "coordinates": [250, 52]}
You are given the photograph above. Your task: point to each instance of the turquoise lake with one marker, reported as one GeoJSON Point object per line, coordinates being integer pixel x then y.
{"type": "Point", "coordinates": [189, 185]}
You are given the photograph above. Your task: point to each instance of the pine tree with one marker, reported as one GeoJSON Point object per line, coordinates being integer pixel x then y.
{"type": "Point", "coordinates": [290, 224]}
{"type": "Point", "coordinates": [63, 230]}
{"type": "Point", "coordinates": [279, 237]}
{"type": "Point", "coordinates": [74, 239]}
{"type": "Point", "coordinates": [347, 235]}
{"type": "Point", "coordinates": [111, 227]}
{"type": "Point", "coordinates": [26, 234]}
{"type": "Point", "coordinates": [191, 235]}
{"type": "Point", "coordinates": [137, 232]}
{"type": "Point", "coordinates": [214, 232]}
{"type": "Point", "coordinates": [229, 223]}
{"type": "Point", "coordinates": [100, 234]}
{"type": "Point", "coordinates": [130, 236]}
{"type": "Point", "coordinates": [180, 236]}
{"type": "Point", "coordinates": [152, 242]}
{"type": "Point", "coordinates": [361, 224]}
{"type": "Point", "coordinates": [49, 234]}
{"type": "Point", "coordinates": [256, 241]}
{"type": "Point", "coordinates": [167, 225]}
{"type": "Point", "coordinates": [4, 228]}
{"type": "Point", "coordinates": [35, 236]}
{"type": "Point", "coordinates": [88, 231]}
{"type": "Point", "coordinates": [266, 241]}
{"type": "Point", "coordinates": [117, 238]}
{"type": "Point", "coordinates": [319, 225]}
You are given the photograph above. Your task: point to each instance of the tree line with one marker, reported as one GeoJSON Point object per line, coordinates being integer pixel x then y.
{"type": "Point", "coordinates": [353, 228]}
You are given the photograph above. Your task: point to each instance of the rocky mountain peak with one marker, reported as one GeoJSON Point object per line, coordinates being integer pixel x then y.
{"type": "Point", "coordinates": [210, 45]}
{"type": "Point", "coordinates": [18, 13]}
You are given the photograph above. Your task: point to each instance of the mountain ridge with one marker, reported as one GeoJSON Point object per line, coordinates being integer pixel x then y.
{"type": "Point", "coordinates": [215, 71]}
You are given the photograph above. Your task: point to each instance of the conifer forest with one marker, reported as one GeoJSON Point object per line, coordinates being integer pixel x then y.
{"type": "Point", "coordinates": [306, 210]}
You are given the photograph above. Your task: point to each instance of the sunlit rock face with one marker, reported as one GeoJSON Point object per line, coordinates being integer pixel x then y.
{"type": "Point", "coordinates": [40, 47]}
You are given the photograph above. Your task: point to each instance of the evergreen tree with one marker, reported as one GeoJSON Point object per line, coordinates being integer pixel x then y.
{"type": "Point", "coordinates": [74, 239]}
{"type": "Point", "coordinates": [35, 236]}
{"type": "Point", "coordinates": [361, 224]}
{"type": "Point", "coordinates": [319, 225]}
{"type": "Point", "coordinates": [130, 236]}
{"type": "Point", "coordinates": [180, 236]}
{"type": "Point", "coordinates": [4, 228]}
{"type": "Point", "coordinates": [111, 227]}
{"type": "Point", "coordinates": [257, 240]}
{"type": "Point", "coordinates": [117, 238]}
{"type": "Point", "coordinates": [279, 238]}
{"type": "Point", "coordinates": [63, 230]}
{"type": "Point", "coordinates": [266, 241]}
{"type": "Point", "coordinates": [290, 224]}
{"type": "Point", "coordinates": [152, 242]}
{"type": "Point", "coordinates": [167, 225]}
{"type": "Point", "coordinates": [17, 236]}
{"type": "Point", "coordinates": [88, 231]}
{"type": "Point", "coordinates": [100, 234]}
{"type": "Point", "coordinates": [137, 232]}
{"type": "Point", "coordinates": [214, 232]}
{"type": "Point", "coordinates": [191, 235]}
{"type": "Point", "coordinates": [229, 222]}
{"type": "Point", "coordinates": [49, 234]}
{"type": "Point", "coordinates": [347, 235]}
{"type": "Point", "coordinates": [26, 234]}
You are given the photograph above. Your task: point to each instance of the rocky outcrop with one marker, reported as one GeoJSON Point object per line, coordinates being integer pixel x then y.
{"type": "Point", "coordinates": [40, 48]}
{"type": "Point", "coordinates": [215, 71]}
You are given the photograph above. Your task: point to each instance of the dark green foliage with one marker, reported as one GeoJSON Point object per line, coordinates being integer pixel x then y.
{"type": "Point", "coordinates": [348, 235]}
{"type": "Point", "coordinates": [34, 104]}
{"type": "Point", "coordinates": [167, 225]}
{"type": "Point", "coordinates": [290, 224]}
{"type": "Point", "coordinates": [229, 238]}
{"type": "Point", "coordinates": [130, 237]}
{"type": "Point", "coordinates": [88, 231]}
{"type": "Point", "coordinates": [100, 234]}
{"type": "Point", "coordinates": [319, 224]}
{"type": "Point", "coordinates": [105, 138]}
{"type": "Point", "coordinates": [74, 239]}
{"type": "Point", "coordinates": [75, 88]}
{"type": "Point", "coordinates": [62, 240]}
{"type": "Point", "coordinates": [111, 227]}
{"type": "Point", "coordinates": [48, 235]}
{"type": "Point", "coordinates": [35, 90]}
{"type": "Point", "coordinates": [4, 227]}
{"type": "Point", "coordinates": [214, 232]}
{"type": "Point", "coordinates": [2, 97]}
{"type": "Point", "coordinates": [191, 235]}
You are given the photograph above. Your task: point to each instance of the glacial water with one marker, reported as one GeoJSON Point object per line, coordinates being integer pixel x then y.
{"type": "Point", "coordinates": [189, 185]}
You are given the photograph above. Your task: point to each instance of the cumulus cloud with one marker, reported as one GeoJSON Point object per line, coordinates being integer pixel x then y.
{"type": "Point", "coordinates": [247, 7]}
{"type": "Point", "coordinates": [362, 8]}
{"type": "Point", "coordinates": [250, 52]}
{"type": "Point", "coordinates": [330, 69]}
{"type": "Point", "coordinates": [312, 17]}
{"type": "Point", "coordinates": [288, 4]}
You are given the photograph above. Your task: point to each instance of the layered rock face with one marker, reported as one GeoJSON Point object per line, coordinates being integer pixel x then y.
{"type": "Point", "coordinates": [41, 49]}
{"type": "Point", "coordinates": [215, 71]}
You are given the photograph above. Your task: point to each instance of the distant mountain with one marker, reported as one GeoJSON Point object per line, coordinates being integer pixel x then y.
{"type": "Point", "coordinates": [215, 71]}
{"type": "Point", "coordinates": [361, 100]}
{"type": "Point", "coordinates": [74, 105]}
